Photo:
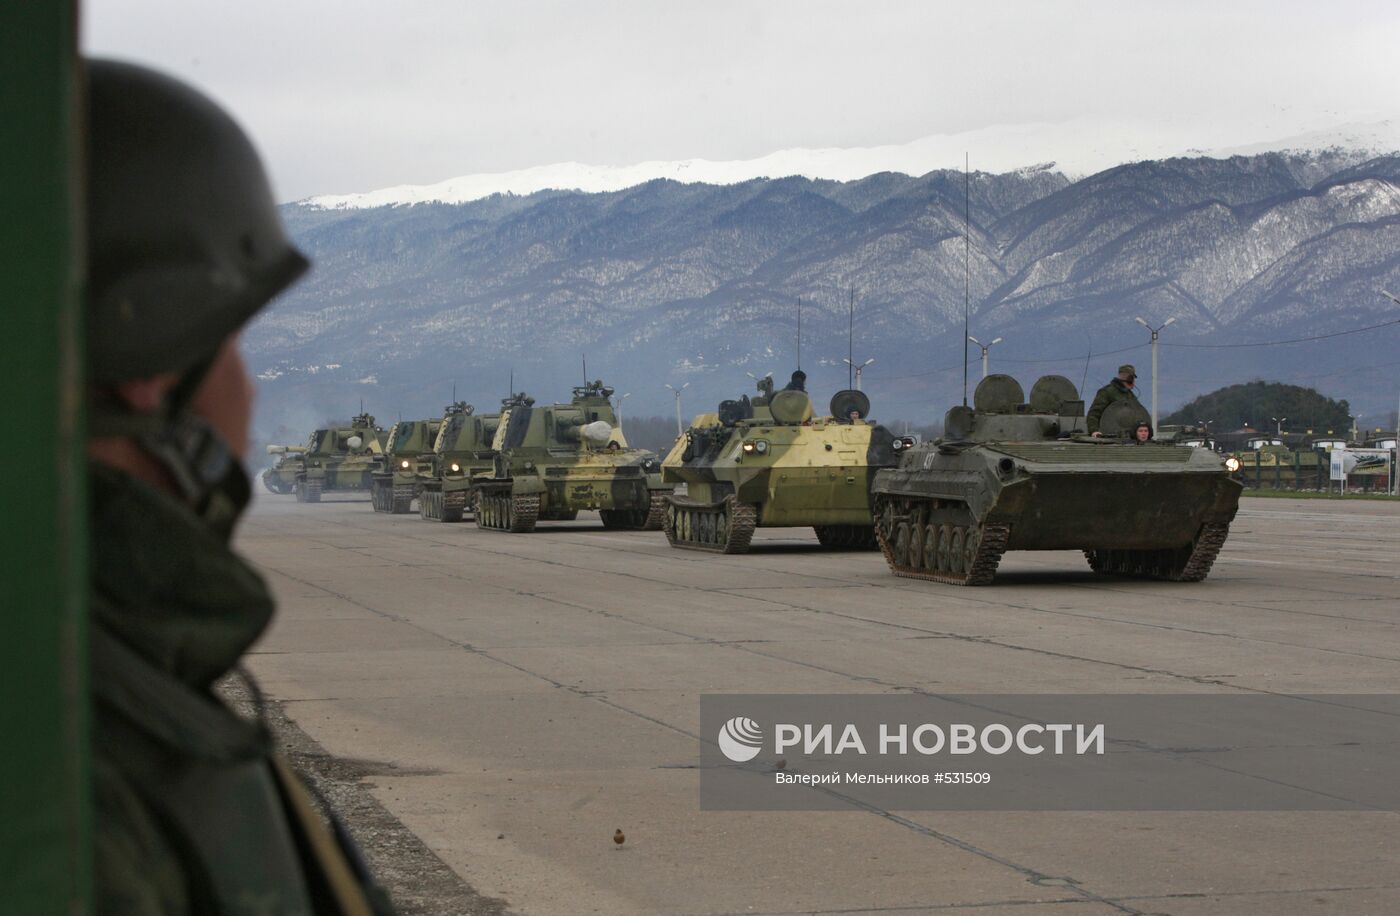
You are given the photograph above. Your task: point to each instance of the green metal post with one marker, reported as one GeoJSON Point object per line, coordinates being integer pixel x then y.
{"type": "Point", "coordinates": [44, 769]}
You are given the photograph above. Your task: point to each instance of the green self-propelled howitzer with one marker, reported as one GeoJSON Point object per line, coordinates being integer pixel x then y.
{"type": "Point", "coordinates": [767, 462]}
{"type": "Point", "coordinates": [462, 449]}
{"type": "Point", "coordinates": [281, 478]}
{"type": "Point", "coordinates": [394, 487]}
{"type": "Point", "coordinates": [553, 461]}
{"type": "Point", "coordinates": [1008, 475]}
{"type": "Point", "coordinates": [340, 458]}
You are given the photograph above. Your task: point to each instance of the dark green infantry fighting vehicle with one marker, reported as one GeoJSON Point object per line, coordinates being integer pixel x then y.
{"type": "Point", "coordinates": [767, 462]}
{"type": "Point", "coordinates": [281, 478]}
{"type": "Point", "coordinates": [393, 488]}
{"type": "Point", "coordinates": [340, 458]}
{"type": "Point", "coordinates": [462, 449]}
{"type": "Point", "coordinates": [553, 461]}
{"type": "Point", "coordinates": [1009, 475]}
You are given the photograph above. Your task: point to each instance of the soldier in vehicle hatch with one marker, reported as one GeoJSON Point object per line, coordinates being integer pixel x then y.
{"type": "Point", "coordinates": [194, 811]}
{"type": "Point", "coordinates": [798, 382]}
{"type": "Point", "coordinates": [1118, 389]}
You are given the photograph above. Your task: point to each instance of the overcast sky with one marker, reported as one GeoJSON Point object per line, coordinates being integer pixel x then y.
{"type": "Point", "coordinates": [360, 94]}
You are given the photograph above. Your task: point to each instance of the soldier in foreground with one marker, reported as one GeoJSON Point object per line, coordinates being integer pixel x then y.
{"type": "Point", "coordinates": [1118, 389]}
{"type": "Point", "coordinates": [194, 811]}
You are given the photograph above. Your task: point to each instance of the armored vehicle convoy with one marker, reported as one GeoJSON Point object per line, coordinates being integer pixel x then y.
{"type": "Point", "coordinates": [767, 462]}
{"type": "Point", "coordinates": [394, 487]}
{"type": "Point", "coordinates": [340, 458]}
{"type": "Point", "coordinates": [553, 461]}
{"type": "Point", "coordinates": [1008, 475]}
{"type": "Point", "coordinates": [462, 448]}
{"type": "Point", "coordinates": [281, 478]}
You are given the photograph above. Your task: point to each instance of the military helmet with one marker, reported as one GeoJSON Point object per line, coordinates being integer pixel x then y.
{"type": "Point", "coordinates": [184, 243]}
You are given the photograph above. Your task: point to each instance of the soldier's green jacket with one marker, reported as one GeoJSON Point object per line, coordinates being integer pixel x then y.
{"type": "Point", "coordinates": [190, 816]}
{"type": "Point", "coordinates": [1113, 391]}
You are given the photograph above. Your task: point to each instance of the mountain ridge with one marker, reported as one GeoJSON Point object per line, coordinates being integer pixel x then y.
{"type": "Point", "coordinates": [673, 282]}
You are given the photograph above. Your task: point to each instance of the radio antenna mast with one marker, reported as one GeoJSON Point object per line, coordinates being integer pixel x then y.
{"type": "Point", "coordinates": [585, 369]}
{"type": "Point", "coordinates": [799, 332]}
{"type": "Point", "coordinates": [967, 261]}
{"type": "Point", "coordinates": [1087, 356]}
{"type": "Point", "coordinates": [511, 392]}
{"type": "Point", "coordinates": [851, 341]}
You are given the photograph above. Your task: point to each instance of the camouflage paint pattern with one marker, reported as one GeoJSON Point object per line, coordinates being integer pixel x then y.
{"type": "Point", "coordinates": [394, 487]}
{"type": "Point", "coordinates": [461, 448]}
{"type": "Point", "coordinates": [563, 456]}
{"type": "Point", "coordinates": [281, 478]}
{"type": "Point", "coordinates": [816, 473]}
{"type": "Point", "coordinates": [332, 463]}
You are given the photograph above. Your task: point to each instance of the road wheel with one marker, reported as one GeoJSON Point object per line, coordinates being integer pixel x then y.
{"type": "Point", "coordinates": [955, 550]}
{"type": "Point", "coordinates": [970, 543]}
{"type": "Point", "coordinates": [945, 545]}
{"type": "Point", "coordinates": [916, 546]}
{"type": "Point", "coordinates": [901, 544]}
{"type": "Point", "coordinates": [931, 548]}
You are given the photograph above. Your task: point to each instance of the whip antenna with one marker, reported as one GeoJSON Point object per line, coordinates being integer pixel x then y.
{"type": "Point", "coordinates": [799, 332]}
{"type": "Point", "coordinates": [851, 341]}
{"type": "Point", "coordinates": [967, 261]}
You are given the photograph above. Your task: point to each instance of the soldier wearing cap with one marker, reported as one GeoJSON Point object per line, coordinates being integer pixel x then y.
{"type": "Point", "coordinates": [1118, 389]}
{"type": "Point", "coordinates": [194, 811]}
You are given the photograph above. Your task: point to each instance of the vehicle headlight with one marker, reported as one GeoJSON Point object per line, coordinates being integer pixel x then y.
{"type": "Point", "coordinates": [761, 446]}
{"type": "Point", "coordinates": [404, 464]}
{"type": "Point", "coordinates": [748, 446]}
{"type": "Point", "coordinates": [897, 444]}
{"type": "Point", "coordinates": [456, 468]}
{"type": "Point", "coordinates": [1232, 464]}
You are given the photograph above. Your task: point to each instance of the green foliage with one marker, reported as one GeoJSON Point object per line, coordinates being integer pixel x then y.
{"type": "Point", "coordinates": [1255, 403]}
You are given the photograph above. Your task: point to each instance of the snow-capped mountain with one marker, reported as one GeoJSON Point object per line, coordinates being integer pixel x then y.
{"type": "Point", "coordinates": [698, 282]}
{"type": "Point", "coordinates": [1075, 148]}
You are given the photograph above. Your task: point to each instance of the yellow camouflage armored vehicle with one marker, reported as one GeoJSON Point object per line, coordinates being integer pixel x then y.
{"type": "Point", "coordinates": [767, 462]}
{"type": "Point", "coordinates": [462, 449]}
{"type": "Point", "coordinates": [1012, 475]}
{"type": "Point", "coordinates": [553, 461]}
{"type": "Point", "coordinates": [394, 487]}
{"type": "Point", "coordinates": [281, 478]}
{"type": "Point", "coordinates": [340, 458]}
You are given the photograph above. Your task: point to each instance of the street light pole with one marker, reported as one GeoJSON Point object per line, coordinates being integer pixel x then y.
{"type": "Point", "coordinates": [985, 348]}
{"type": "Point", "coordinates": [619, 408]}
{"type": "Point", "coordinates": [1155, 331]}
{"type": "Point", "coordinates": [677, 392]}
{"type": "Point", "coordinates": [858, 368]}
{"type": "Point", "coordinates": [1280, 421]}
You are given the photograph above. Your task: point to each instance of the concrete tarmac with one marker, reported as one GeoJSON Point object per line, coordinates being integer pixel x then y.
{"type": "Point", "coordinates": [521, 697]}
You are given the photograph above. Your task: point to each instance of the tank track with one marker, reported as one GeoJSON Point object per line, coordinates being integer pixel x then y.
{"type": "Point", "coordinates": [380, 496]}
{"type": "Point", "coordinates": [656, 513]}
{"type": "Point", "coordinates": [504, 512]}
{"type": "Point", "coordinates": [847, 537]}
{"type": "Point", "coordinates": [308, 491]}
{"type": "Point", "coordinates": [437, 506]}
{"type": "Point", "coordinates": [401, 499]}
{"type": "Point", "coordinates": [1179, 565]}
{"type": "Point", "coordinates": [652, 518]}
{"type": "Point", "coordinates": [725, 527]}
{"type": "Point", "coordinates": [278, 488]}
{"type": "Point", "coordinates": [923, 554]}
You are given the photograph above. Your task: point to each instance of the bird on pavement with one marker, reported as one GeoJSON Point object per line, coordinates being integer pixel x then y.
{"type": "Point", "coordinates": [619, 838]}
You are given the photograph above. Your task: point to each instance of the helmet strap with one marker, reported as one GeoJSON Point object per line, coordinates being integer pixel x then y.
{"type": "Point", "coordinates": [206, 474]}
